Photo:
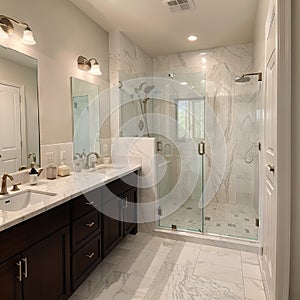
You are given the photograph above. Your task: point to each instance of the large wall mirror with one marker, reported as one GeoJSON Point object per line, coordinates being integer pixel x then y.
{"type": "Point", "coordinates": [19, 117]}
{"type": "Point", "coordinates": [86, 116]}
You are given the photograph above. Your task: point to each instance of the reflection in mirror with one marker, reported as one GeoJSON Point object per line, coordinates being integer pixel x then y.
{"type": "Point", "coordinates": [19, 121]}
{"type": "Point", "coordinates": [86, 116]}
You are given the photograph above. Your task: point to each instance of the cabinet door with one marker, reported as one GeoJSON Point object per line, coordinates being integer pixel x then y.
{"type": "Point", "coordinates": [11, 286]}
{"type": "Point", "coordinates": [111, 224]}
{"type": "Point", "coordinates": [130, 212]}
{"type": "Point", "coordinates": [47, 276]}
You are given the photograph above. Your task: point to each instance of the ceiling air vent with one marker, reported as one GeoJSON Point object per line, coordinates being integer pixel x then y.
{"type": "Point", "coordinates": [180, 5]}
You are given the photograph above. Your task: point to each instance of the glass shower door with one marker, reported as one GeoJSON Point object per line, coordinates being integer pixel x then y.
{"type": "Point", "coordinates": [184, 210]}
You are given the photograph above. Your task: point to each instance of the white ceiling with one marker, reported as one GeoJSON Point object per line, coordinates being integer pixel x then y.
{"type": "Point", "coordinates": [151, 25]}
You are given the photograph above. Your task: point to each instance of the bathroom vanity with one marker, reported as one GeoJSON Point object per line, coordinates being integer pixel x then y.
{"type": "Point", "coordinates": [49, 255]}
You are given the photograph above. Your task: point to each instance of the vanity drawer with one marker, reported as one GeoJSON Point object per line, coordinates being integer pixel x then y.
{"type": "Point", "coordinates": [85, 227]}
{"type": "Point", "coordinates": [85, 203]}
{"type": "Point", "coordinates": [85, 260]}
{"type": "Point", "coordinates": [119, 186]}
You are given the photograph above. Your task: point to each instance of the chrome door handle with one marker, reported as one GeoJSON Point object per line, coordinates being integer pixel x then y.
{"type": "Point", "coordinates": [90, 203]}
{"type": "Point", "coordinates": [90, 255]}
{"type": "Point", "coordinates": [201, 148]}
{"type": "Point", "coordinates": [19, 264]}
{"type": "Point", "coordinates": [126, 202]}
{"type": "Point", "coordinates": [271, 168]}
{"type": "Point", "coordinates": [25, 267]}
{"type": "Point", "coordinates": [90, 224]}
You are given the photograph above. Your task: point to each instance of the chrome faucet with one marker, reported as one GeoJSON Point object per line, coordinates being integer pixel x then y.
{"type": "Point", "coordinates": [87, 164]}
{"type": "Point", "coordinates": [4, 184]}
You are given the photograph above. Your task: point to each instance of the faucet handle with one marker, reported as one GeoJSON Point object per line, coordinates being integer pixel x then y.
{"type": "Point", "coordinates": [15, 187]}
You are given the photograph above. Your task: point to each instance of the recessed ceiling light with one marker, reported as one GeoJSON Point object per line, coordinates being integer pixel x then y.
{"type": "Point", "coordinates": [183, 83]}
{"type": "Point", "coordinates": [192, 38]}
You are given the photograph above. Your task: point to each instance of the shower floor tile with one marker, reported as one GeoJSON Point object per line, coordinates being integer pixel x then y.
{"type": "Point", "coordinates": [237, 220]}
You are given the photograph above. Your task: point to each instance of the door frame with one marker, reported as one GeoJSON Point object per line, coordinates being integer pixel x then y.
{"type": "Point", "coordinates": [23, 120]}
{"type": "Point", "coordinates": [283, 44]}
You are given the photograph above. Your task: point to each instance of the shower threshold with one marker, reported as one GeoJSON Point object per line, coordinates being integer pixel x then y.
{"type": "Point", "coordinates": [211, 240]}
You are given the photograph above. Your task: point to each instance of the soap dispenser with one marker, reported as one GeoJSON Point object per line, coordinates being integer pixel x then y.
{"type": "Point", "coordinates": [34, 174]}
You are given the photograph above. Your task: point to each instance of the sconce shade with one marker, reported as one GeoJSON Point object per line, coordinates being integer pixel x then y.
{"type": "Point", "coordinates": [89, 65]}
{"type": "Point", "coordinates": [95, 69]}
{"type": "Point", "coordinates": [83, 64]}
{"type": "Point", "coordinates": [28, 38]}
{"type": "Point", "coordinates": [7, 27]}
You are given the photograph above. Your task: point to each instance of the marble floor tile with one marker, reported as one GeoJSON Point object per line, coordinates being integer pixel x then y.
{"type": "Point", "coordinates": [254, 289]}
{"type": "Point", "coordinates": [144, 263]}
{"type": "Point", "coordinates": [220, 256]}
{"type": "Point", "coordinates": [117, 255]}
{"type": "Point", "coordinates": [102, 270]}
{"type": "Point", "coordinates": [251, 271]}
{"type": "Point", "coordinates": [218, 272]}
{"type": "Point", "coordinates": [249, 258]}
{"type": "Point", "coordinates": [153, 268]}
{"type": "Point", "coordinates": [122, 286]}
{"type": "Point", "coordinates": [182, 255]}
{"type": "Point", "coordinates": [177, 282]}
{"type": "Point", "coordinates": [160, 244]}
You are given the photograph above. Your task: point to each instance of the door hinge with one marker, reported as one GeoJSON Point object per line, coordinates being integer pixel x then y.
{"type": "Point", "coordinates": [201, 148]}
{"type": "Point", "coordinates": [257, 222]}
{"type": "Point", "coordinates": [159, 211]}
{"type": "Point", "coordinates": [259, 146]}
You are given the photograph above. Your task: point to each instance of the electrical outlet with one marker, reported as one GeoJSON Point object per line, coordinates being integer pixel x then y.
{"type": "Point", "coordinates": [62, 155]}
{"type": "Point", "coordinates": [105, 149]}
{"type": "Point", "coordinates": [50, 157]}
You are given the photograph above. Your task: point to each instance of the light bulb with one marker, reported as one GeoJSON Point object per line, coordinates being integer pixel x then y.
{"type": "Point", "coordinates": [95, 69]}
{"type": "Point", "coordinates": [28, 38]}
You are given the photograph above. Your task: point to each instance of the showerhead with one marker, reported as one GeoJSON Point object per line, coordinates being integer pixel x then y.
{"type": "Point", "coordinates": [148, 89]}
{"type": "Point", "coordinates": [246, 78]}
{"type": "Point", "coordinates": [242, 79]}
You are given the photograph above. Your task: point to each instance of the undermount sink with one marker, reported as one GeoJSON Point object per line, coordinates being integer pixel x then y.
{"type": "Point", "coordinates": [18, 201]}
{"type": "Point", "coordinates": [106, 169]}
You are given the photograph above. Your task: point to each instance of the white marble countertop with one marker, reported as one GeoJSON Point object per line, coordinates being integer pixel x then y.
{"type": "Point", "coordinates": [64, 188]}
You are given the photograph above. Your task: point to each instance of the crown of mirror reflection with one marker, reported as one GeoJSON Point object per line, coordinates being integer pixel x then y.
{"type": "Point", "coordinates": [89, 65]}
{"type": "Point", "coordinates": [7, 29]}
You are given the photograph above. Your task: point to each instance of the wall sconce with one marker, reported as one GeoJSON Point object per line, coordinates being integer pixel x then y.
{"type": "Point", "coordinates": [90, 65]}
{"type": "Point", "coordinates": [7, 29]}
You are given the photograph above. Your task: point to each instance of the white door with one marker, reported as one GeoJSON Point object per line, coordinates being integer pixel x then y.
{"type": "Point", "coordinates": [10, 129]}
{"type": "Point", "coordinates": [269, 236]}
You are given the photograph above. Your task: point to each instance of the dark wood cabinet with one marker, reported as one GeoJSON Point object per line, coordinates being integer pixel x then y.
{"type": "Point", "coordinates": [112, 224]}
{"type": "Point", "coordinates": [46, 268]}
{"type": "Point", "coordinates": [49, 256]}
{"type": "Point", "coordinates": [85, 236]}
{"type": "Point", "coordinates": [119, 211]}
{"type": "Point", "coordinates": [130, 212]}
{"type": "Point", "coordinates": [34, 258]}
{"type": "Point", "coordinates": [11, 286]}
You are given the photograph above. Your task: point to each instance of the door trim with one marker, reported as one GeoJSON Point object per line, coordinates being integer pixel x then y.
{"type": "Point", "coordinates": [283, 44]}
{"type": "Point", "coordinates": [283, 150]}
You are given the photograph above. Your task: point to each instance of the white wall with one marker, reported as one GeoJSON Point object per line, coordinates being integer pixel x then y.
{"type": "Point", "coordinates": [62, 32]}
{"type": "Point", "coordinates": [295, 226]}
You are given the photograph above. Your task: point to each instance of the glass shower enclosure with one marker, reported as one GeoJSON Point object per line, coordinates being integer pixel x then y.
{"type": "Point", "coordinates": [178, 121]}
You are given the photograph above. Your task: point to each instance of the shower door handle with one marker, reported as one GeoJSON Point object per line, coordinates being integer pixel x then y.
{"type": "Point", "coordinates": [201, 148]}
